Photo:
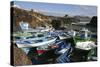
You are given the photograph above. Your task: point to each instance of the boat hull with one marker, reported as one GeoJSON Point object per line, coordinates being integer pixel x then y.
{"type": "Point", "coordinates": [50, 42]}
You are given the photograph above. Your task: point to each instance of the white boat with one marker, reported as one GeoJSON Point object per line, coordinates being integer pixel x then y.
{"type": "Point", "coordinates": [29, 36]}
{"type": "Point", "coordinates": [32, 40]}
{"type": "Point", "coordinates": [85, 45]}
{"type": "Point", "coordinates": [64, 36]}
{"type": "Point", "coordinates": [36, 43]}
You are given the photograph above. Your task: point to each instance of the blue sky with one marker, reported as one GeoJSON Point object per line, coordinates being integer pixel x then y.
{"type": "Point", "coordinates": [58, 9]}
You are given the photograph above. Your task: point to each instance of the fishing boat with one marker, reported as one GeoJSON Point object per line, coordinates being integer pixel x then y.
{"type": "Point", "coordinates": [87, 45]}
{"type": "Point", "coordinates": [84, 41]}
{"type": "Point", "coordinates": [33, 40]}
{"type": "Point", "coordinates": [64, 36]}
{"type": "Point", "coordinates": [35, 43]}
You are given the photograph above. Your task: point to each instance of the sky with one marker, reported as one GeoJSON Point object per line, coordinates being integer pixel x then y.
{"type": "Point", "coordinates": [58, 9]}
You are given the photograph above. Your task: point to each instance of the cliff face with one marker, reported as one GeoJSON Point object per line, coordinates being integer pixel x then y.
{"type": "Point", "coordinates": [20, 58]}
{"type": "Point", "coordinates": [93, 22]}
{"type": "Point", "coordinates": [32, 17]}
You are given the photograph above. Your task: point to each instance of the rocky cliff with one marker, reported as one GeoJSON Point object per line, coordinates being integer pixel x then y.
{"type": "Point", "coordinates": [30, 16]}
